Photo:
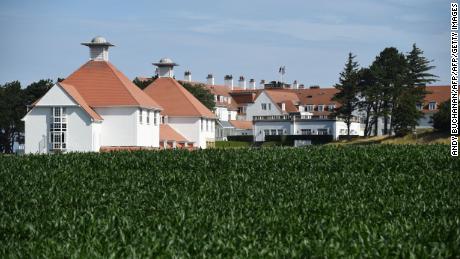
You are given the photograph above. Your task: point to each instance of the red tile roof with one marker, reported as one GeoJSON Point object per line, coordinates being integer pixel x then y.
{"type": "Point", "coordinates": [79, 99]}
{"type": "Point", "coordinates": [100, 84]}
{"type": "Point", "coordinates": [244, 125]}
{"type": "Point", "coordinates": [167, 133]}
{"type": "Point", "coordinates": [436, 93]}
{"type": "Point", "coordinates": [176, 100]}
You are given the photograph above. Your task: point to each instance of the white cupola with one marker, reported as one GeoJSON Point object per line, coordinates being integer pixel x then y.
{"type": "Point", "coordinates": [165, 67]}
{"type": "Point", "coordinates": [98, 49]}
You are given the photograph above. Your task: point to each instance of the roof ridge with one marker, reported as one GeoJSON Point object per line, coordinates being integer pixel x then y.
{"type": "Point", "coordinates": [112, 69]}
{"type": "Point", "coordinates": [184, 93]}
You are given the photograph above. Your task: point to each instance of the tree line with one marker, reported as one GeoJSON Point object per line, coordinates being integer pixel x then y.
{"type": "Point", "coordinates": [389, 90]}
{"type": "Point", "coordinates": [14, 101]}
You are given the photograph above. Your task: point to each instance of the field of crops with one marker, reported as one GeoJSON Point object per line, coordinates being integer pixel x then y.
{"type": "Point", "coordinates": [359, 201]}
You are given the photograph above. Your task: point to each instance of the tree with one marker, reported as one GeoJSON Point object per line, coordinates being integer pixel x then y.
{"type": "Point", "coordinates": [36, 90]}
{"type": "Point", "coordinates": [369, 100]}
{"type": "Point", "coordinates": [12, 109]}
{"type": "Point", "coordinates": [390, 70]}
{"type": "Point", "coordinates": [202, 93]}
{"type": "Point", "coordinates": [144, 82]}
{"type": "Point", "coordinates": [347, 95]}
{"type": "Point", "coordinates": [441, 119]}
{"type": "Point", "coordinates": [405, 117]}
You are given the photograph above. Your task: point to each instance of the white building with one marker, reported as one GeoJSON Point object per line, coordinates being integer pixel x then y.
{"type": "Point", "coordinates": [181, 110]}
{"type": "Point", "coordinates": [302, 125]}
{"type": "Point", "coordinates": [95, 107]}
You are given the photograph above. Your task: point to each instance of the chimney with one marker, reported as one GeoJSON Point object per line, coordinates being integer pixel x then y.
{"type": "Point", "coordinates": [210, 79]}
{"type": "Point", "coordinates": [228, 79]}
{"type": "Point", "coordinates": [188, 76]}
{"type": "Point", "coordinates": [165, 68]}
{"type": "Point", "coordinates": [262, 84]}
{"type": "Point", "coordinates": [252, 84]}
{"type": "Point", "coordinates": [242, 82]}
{"type": "Point", "coordinates": [295, 85]}
{"type": "Point", "coordinates": [98, 49]}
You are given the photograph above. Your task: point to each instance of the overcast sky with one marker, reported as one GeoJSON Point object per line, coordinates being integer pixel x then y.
{"type": "Point", "coordinates": [41, 39]}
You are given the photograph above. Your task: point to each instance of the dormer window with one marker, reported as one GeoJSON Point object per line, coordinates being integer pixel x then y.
{"type": "Point", "coordinates": [221, 99]}
{"type": "Point", "coordinates": [309, 108]}
{"type": "Point", "coordinates": [432, 106]}
{"type": "Point", "coordinates": [331, 107]}
{"type": "Point", "coordinates": [419, 106]}
{"type": "Point", "coordinates": [320, 108]}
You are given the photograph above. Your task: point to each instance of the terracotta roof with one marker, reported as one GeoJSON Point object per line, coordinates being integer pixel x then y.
{"type": "Point", "coordinates": [100, 84]}
{"type": "Point", "coordinates": [244, 125]}
{"type": "Point", "coordinates": [280, 96]}
{"type": "Point", "coordinates": [436, 93]}
{"type": "Point", "coordinates": [168, 133]}
{"type": "Point", "coordinates": [316, 96]}
{"type": "Point", "coordinates": [79, 99]}
{"type": "Point", "coordinates": [176, 100]}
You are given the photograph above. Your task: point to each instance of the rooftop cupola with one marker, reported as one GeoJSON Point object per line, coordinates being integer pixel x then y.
{"type": "Point", "coordinates": [98, 48]}
{"type": "Point", "coordinates": [165, 67]}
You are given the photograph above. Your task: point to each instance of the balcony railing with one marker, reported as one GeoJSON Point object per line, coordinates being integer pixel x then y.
{"type": "Point", "coordinates": [299, 117]}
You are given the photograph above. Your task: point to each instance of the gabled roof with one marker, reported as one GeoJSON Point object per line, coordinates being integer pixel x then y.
{"type": "Point", "coordinates": [169, 134]}
{"type": "Point", "coordinates": [243, 125]}
{"type": "Point", "coordinates": [101, 84]}
{"type": "Point", "coordinates": [79, 99]}
{"type": "Point", "coordinates": [176, 100]}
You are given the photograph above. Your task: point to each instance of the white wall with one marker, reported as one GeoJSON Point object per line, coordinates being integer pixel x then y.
{"type": "Point", "coordinates": [148, 134]}
{"type": "Point", "coordinates": [37, 123]}
{"type": "Point", "coordinates": [334, 128]}
{"type": "Point", "coordinates": [233, 115]}
{"type": "Point", "coordinates": [222, 113]}
{"type": "Point", "coordinates": [190, 128]}
{"type": "Point", "coordinates": [260, 126]}
{"type": "Point", "coordinates": [119, 127]}
{"type": "Point", "coordinates": [255, 109]}
{"type": "Point", "coordinates": [79, 130]}
{"type": "Point", "coordinates": [425, 122]}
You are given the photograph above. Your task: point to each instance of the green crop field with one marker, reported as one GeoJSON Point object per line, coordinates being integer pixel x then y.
{"type": "Point", "coordinates": [346, 201]}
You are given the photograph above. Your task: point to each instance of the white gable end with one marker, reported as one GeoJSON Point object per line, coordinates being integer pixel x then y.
{"type": "Point", "coordinates": [56, 96]}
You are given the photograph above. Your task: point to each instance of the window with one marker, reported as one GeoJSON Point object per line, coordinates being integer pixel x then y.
{"type": "Point", "coordinates": [322, 131]}
{"type": "Point", "coordinates": [264, 106]}
{"type": "Point", "coordinates": [309, 108]}
{"type": "Point", "coordinates": [320, 108]}
{"type": "Point", "coordinates": [432, 106]}
{"type": "Point", "coordinates": [155, 120]}
{"type": "Point", "coordinates": [148, 117]}
{"type": "Point", "coordinates": [202, 124]}
{"type": "Point", "coordinates": [140, 116]}
{"type": "Point", "coordinates": [419, 106]}
{"type": "Point", "coordinates": [273, 131]}
{"type": "Point", "coordinates": [306, 131]}
{"type": "Point", "coordinates": [280, 132]}
{"type": "Point", "coordinates": [266, 132]}
{"type": "Point", "coordinates": [58, 129]}
{"type": "Point", "coordinates": [331, 107]}
{"type": "Point", "coordinates": [270, 106]}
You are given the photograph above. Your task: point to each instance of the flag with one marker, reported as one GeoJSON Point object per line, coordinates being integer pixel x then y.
{"type": "Point", "coordinates": [282, 70]}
